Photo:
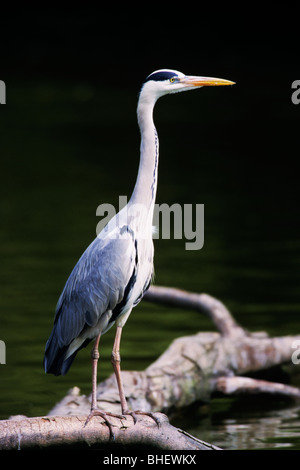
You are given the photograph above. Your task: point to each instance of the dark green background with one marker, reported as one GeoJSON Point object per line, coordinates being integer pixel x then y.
{"type": "Point", "coordinates": [69, 142]}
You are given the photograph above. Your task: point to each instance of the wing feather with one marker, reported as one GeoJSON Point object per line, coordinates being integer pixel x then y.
{"type": "Point", "coordinates": [96, 284]}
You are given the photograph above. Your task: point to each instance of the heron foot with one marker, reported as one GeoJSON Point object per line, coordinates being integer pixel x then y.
{"type": "Point", "coordinates": [145, 413]}
{"type": "Point", "coordinates": [104, 415]}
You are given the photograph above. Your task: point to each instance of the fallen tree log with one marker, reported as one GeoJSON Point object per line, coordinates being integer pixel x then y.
{"type": "Point", "coordinates": [69, 432]}
{"type": "Point", "coordinates": [192, 369]}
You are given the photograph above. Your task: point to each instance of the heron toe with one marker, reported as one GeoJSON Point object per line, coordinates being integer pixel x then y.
{"type": "Point", "coordinates": [104, 415]}
{"type": "Point", "coordinates": [145, 413]}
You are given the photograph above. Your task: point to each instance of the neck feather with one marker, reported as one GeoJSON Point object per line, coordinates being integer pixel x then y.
{"type": "Point", "coordinates": [145, 188]}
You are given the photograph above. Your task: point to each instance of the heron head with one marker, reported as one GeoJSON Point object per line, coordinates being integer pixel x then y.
{"type": "Point", "coordinates": [167, 81]}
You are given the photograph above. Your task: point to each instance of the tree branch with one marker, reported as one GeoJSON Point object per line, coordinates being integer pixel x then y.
{"type": "Point", "coordinates": [247, 385]}
{"type": "Point", "coordinates": [204, 303]}
{"type": "Point", "coordinates": [70, 431]}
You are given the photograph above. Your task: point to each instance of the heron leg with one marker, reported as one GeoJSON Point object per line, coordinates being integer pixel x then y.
{"type": "Point", "coordinates": [116, 360]}
{"type": "Point", "coordinates": [95, 358]}
{"type": "Point", "coordinates": [94, 410]}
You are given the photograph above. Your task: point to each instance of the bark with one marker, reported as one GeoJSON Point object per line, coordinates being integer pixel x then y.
{"type": "Point", "coordinates": [247, 385]}
{"type": "Point", "coordinates": [69, 432]}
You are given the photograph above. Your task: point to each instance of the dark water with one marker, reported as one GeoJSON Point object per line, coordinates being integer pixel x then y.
{"type": "Point", "coordinates": [67, 147]}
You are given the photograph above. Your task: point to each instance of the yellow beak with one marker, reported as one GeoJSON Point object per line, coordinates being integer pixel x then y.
{"type": "Point", "coordinates": [204, 81]}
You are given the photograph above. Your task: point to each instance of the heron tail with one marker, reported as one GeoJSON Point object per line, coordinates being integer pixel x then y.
{"type": "Point", "coordinates": [55, 361]}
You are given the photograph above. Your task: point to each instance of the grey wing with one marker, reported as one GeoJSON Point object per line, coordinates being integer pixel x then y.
{"type": "Point", "coordinates": [98, 284]}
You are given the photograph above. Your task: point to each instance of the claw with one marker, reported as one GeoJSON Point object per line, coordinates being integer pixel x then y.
{"type": "Point", "coordinates": [103, 414]}
{"type": "Point", "coordinates": [145, 413]}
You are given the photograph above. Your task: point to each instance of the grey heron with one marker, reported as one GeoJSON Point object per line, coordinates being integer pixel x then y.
{"type": "Point", "coordinates": [115, 271]}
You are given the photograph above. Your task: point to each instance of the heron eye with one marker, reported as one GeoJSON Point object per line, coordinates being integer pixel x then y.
{"type": "Point", "coordinates": [172, 80]}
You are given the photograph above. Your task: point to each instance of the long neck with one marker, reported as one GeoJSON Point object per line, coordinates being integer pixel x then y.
{"type": "Point", "coordinates": [145, 188]}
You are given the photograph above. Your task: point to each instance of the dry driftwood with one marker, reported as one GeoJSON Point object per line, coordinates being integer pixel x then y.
{"type": "Point", "coordinates": [192, 369]}
{"type": "Point", "coordinates": [69, 432]}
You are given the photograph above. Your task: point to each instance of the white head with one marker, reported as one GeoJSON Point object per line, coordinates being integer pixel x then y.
{"type": "Point", "coordinates": [167, 81]}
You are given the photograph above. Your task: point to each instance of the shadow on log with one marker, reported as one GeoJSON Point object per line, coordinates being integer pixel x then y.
{"type": "Point", "coordinates": [192, 369]}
